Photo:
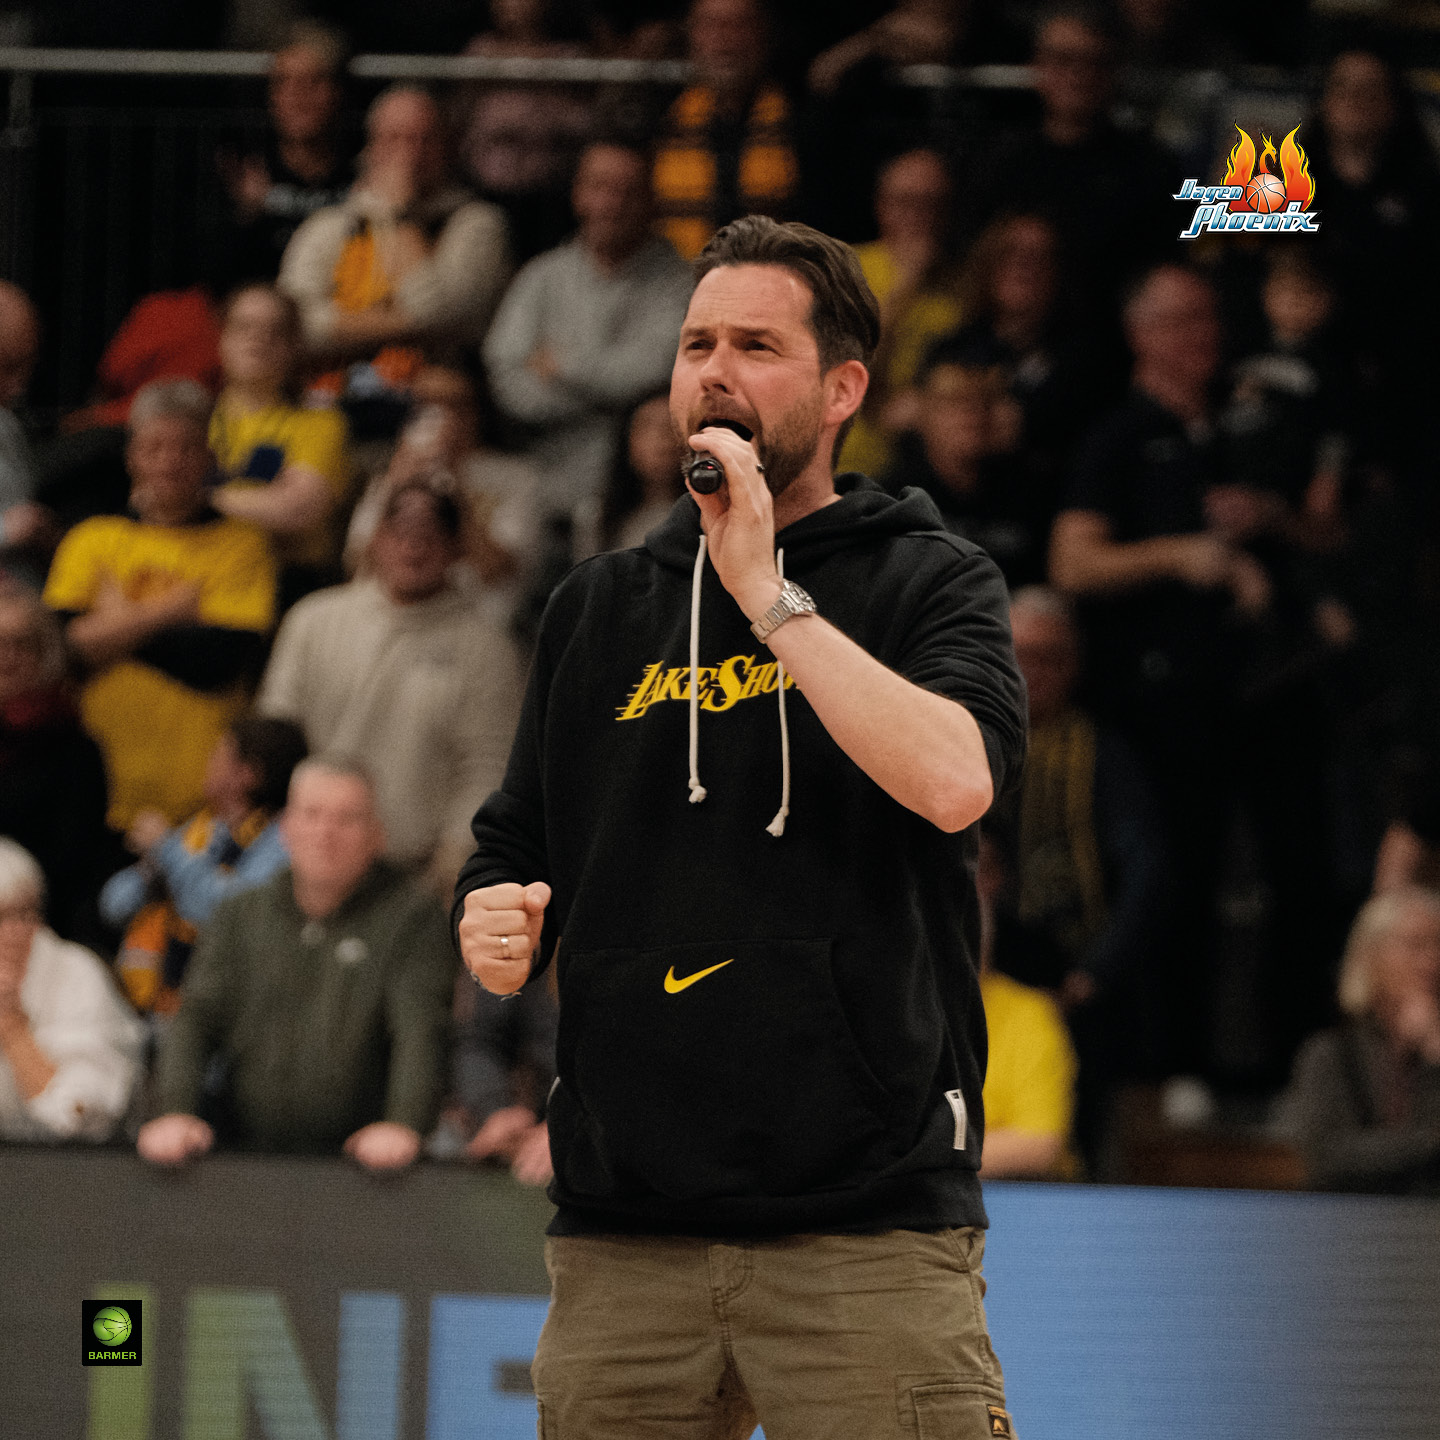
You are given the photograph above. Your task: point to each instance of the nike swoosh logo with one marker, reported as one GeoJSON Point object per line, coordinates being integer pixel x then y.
{"type": "Point", "coordinates": [674, 986]}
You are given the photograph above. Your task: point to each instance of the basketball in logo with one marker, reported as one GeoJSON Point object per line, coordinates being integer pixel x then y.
{"type": "Point", "coordinates": [1265, 193]}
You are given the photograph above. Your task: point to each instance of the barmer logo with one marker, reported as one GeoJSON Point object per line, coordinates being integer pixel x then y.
{"type": "Point", "coordinates": [722, 686]}
{"type": "Point", "coordinates": [1251, 199]}
{"type": "Point", "coordinates": [110, 1332]}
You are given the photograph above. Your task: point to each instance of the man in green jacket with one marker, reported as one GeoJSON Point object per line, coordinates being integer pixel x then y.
{"type": "Point", "coordinates": [326, 992]}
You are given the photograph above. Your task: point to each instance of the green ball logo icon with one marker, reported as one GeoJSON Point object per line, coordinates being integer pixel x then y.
{"type": "Point", "coordinates": [112, 1326]}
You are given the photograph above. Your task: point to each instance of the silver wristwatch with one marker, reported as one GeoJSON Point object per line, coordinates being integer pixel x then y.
{"type": "Point", "coordinates": [793, 601]}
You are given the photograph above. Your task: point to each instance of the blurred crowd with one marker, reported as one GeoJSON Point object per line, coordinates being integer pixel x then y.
{"type": "Point", "coordinates": [267, 599]}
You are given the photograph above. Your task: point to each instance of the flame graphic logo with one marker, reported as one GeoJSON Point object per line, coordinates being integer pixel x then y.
{"type": "Point", "coordinates": [1294, 166]}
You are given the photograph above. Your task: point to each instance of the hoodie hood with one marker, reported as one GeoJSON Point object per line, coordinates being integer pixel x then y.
{"type": "Point", "coordinates": [863, 512]}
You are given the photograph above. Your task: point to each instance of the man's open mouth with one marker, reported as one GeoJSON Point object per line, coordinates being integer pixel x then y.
{"type": "Point", "coordinates": [742, 430]}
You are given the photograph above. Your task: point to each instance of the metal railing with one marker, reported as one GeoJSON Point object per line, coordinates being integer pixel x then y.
{"type": "Point", "coordinates": [111, 190]}
{"type": "Point", "coordinates": [109, 187]}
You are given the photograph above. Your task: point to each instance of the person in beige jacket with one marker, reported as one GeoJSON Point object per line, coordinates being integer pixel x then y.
{"type": "Point", "coordinates": [409, 267]}
{"type": "Point", "coordinates": [406, 671]}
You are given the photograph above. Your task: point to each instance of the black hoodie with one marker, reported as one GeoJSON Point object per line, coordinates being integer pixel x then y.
{"type": "Point", "coordinates": [798, 1081]}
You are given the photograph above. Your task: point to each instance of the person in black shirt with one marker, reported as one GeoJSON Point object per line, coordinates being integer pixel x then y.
{"type": "Point", "coordinates": [1011, 294]}
{"type": "Point", "coordinates": [959, 454]}
{"type": "Point", "coordinates": [1288, 418]}
{"type": "Point", "coordinates": [1165, 597]}
{"type": "Point", "coordinates": [1135, 538]}
{"type": "Point", "coordinates": [1106, 192]}
{"type": "Point", "coordinates": [771, 1044]}
{"type": "Point", "coordinates": [303, 165]}
{"type": "Point", "coordinates": [1184, 574]}
{"type": "Point", "coordinates": [1378, 189]}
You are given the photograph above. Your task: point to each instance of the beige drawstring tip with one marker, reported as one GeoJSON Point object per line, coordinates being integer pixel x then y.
{"type": "Point", "coordinates": [777, 826]}
{"type": "Point", "coordinates": [697, 792]}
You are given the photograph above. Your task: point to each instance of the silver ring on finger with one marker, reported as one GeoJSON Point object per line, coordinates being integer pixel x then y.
{"type": "Point", "coordinates": [505, 945]}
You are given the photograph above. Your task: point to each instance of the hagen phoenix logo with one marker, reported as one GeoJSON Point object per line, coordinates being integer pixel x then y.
{"type": "Point", "coordinates": [1253, 198]}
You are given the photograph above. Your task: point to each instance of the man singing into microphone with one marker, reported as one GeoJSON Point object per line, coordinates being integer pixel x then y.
{"type": "Point", "coordinates": [767, 1122]}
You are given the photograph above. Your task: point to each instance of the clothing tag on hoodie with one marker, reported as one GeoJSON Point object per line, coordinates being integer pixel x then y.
{"type": "Point", "coordinates": [957, 1104]}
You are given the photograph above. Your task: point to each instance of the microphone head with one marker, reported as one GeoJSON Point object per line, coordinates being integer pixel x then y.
{"type": "Point", "coordinates": [705, 474]}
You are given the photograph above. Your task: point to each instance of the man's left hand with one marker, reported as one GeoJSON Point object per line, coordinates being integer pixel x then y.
{"type": "Point", "coordinates": [384, 1145]}
{"type": "Point", "coordinates": [739, 522]}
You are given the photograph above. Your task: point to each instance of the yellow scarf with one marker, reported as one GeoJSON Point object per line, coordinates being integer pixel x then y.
{"type": "Point", "coordinates": [1062, 882]}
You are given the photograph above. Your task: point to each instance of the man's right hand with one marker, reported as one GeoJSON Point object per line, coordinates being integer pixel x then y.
{"type": "Point", "coordinates": [500, 933]}
{"type": "Point", "coordinates": [174, 1139]}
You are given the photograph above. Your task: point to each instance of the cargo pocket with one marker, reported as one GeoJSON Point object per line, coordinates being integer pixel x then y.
{"type": "Point", "coordinates": [720, 1069]}
{"type": "Point", "coordinates": [960, 1411]}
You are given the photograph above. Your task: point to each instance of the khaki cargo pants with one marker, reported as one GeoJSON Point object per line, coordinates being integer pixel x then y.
{"type": "Point", "coordinates": [816, 1337]}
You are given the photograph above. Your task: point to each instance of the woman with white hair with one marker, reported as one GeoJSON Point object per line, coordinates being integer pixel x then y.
{"type": "Point", "coordinates": [70, 1048]}
{"type": "Point", "coordinates": [1364, 1103]}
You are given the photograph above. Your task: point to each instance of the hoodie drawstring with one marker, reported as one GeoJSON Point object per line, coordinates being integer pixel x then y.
{"type": "Point", "coordinates": [697, 791]}
{"type": "Point", "coordinates": [777, 826]}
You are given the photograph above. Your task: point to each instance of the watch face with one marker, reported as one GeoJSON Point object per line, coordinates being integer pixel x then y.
{"type": "Point", "coordinates": [792, 601]}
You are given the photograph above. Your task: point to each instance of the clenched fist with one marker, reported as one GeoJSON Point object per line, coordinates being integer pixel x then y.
{"type": "Point", "coordinates": [500, 933]}
{"type": "Point", "coordinates": [173, 1139]}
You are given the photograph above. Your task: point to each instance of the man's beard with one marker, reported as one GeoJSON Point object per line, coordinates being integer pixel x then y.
{"type": "Point", "coordinates": [786, 447]}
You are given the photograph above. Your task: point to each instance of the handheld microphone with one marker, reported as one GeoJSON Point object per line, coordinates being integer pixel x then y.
{"type": "Point", "coordinates": [705, 474]}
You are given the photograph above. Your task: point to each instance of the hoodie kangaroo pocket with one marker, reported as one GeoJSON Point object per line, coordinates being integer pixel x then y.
{"type": "Point", "coordinates": [719, 1069]}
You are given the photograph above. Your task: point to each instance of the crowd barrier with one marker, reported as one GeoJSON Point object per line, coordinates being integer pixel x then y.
{"type": "Point", "coordinates": [292, 1299]}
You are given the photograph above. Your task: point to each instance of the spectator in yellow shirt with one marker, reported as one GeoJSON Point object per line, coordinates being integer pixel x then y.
{"type": "Point", "coordinates": [167, 608]}
{"type": "Point", "coordinates": [1029, 1084]}
{"type": "Point", "coordinates": [911, 270]}
{"type": "Point", "coordinates": [288, 466]}
{"type": "Point", "coordinates": [1030, 1077]}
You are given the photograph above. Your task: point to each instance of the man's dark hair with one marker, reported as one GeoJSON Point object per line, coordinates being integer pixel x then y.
{"type": "Point", "coordinates": [274, 748]}
{"type": "Point", "coordinates": [844, 314]}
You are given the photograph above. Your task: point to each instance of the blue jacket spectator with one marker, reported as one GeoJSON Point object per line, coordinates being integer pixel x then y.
{"type": "Point", "coordinates": [233, 844]}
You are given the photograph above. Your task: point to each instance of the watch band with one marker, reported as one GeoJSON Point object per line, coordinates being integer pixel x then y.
{"type": "Point", "coordinates": [793, 601]}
